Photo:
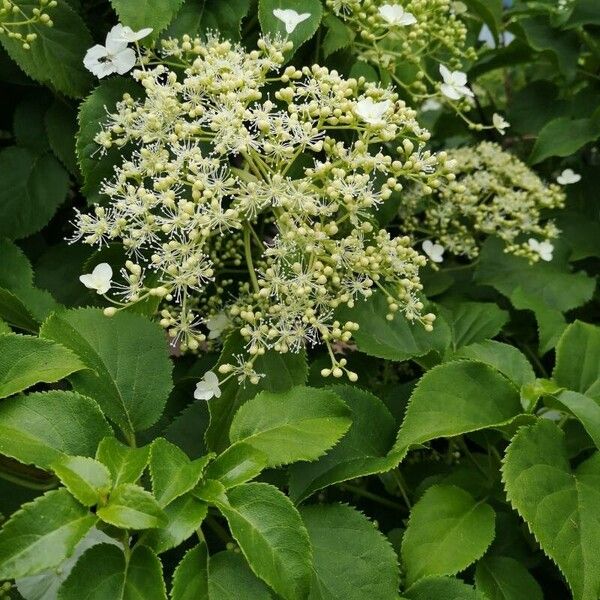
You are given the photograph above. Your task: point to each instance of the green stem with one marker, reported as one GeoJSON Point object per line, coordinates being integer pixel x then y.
{"type": "Point", "coordinates": [249, 262]}
{"type": "Point", "coordinates": [369, 495]}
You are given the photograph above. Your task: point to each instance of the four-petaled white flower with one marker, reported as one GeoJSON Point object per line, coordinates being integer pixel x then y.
{"type": "Point", "coordinates": [208, 387]}
{"type": "Point", "coordinates": [128, 35]}
{"type": "Point", "coordinates": [113, 57]}
{"type": "Point", "coordinates": [216, 325]}
{"type": "Point", "coordinates": [568, 176]}
{"type": "Point", "coordinates": [544, 249]}
{"type": "Point", "coordinates": [455, 84]}
{"type": "Point", "coordinates": [99, 279]}
{"type": "Point", "coordinates": [394, 14]}
{"type": "Point", "coordinates": [291, 19]}
{"type": "Point", "coordinates": [434, 251]}
{"type": "Point", "coordinates": [372, 112]}
{"type": "Point", "coordinates": [500, 123]}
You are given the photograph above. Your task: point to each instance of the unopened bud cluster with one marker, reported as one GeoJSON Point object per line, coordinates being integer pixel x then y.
{"type": "Point", "coordinates": [16, 20]}
{"type": "Point", "coordinates": [250, 198]}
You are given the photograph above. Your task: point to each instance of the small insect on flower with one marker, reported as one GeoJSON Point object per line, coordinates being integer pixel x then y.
{"type": "Point", "coordinates": [113, 57]}
{"type": "Point", "coordinates": [99, 279]}
{"type": "Point", "coordinates": [208, 387]}
{"type": "Point", "coordinates": [568, 176]}
{"type": "Point", "coordinates": [455, 84]}
{"type": "Point", "coordinates": [500, 123]}
{"type": "Point", "coordinates": [395, 15]}
{"type": "Point", "coordinates": [434, 251]}
{"type": "Point", "coordinates": [544, 249]}
{"type": "Point", "coordinates": [290, 18]}
{"type": "Point", "coordinates": [372, 112]}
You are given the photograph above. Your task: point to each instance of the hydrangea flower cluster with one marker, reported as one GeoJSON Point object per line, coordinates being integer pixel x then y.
{"type": "Point", "coordinates": [410, 34]}
{"type": "Point", "coordinates": [494, 194]}
{"type": "Point", "coordinates": [250, 197]}
{"type": "Point", "coordinates": [13, 19]}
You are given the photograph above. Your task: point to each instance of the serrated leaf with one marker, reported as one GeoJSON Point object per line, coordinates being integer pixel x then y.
{"type": "Point", "coordinates": [271, 536]}
{"type": "Point", "coordinates": [338, 35]}
{"type": "Point", "coordinates": [302, 32]}
{"type": "Point", "coordinates": [42, 534]}
{"type": "Point", "coordinates": [130, 375]}
{"type": "Point", "coordinates": [38, 428]}
{"type": "Point", "coordinates": [504, 578]}
{"type": "Point", "coordinates": [60, 122]}
{"type": "Point", "coordinates": [132, 507]}
{"type": "Point", "coordinates": [225, 17]}
{"type": "Point", "coordinates": [103, 572]}
{"type": "Point", "coordinates": [398, 339]}
{"type": "Point", "coordinates": [184, 516]}
{"type": "Point", "coordinates": [87, 479]}
{"type": "Point", "coordinates": [27, 360]}
{"type": "Point", "coordinates": [282, 371]}
{"type": "Point", "coordinates": [190, 579]}
{"type": "Point", "coordinates": [586, 409]}
{"type": "Point", "coordinates": [443, 588]}
{"type": "Point", "coordinates": [352, 559]}
{"type": "Point", "coordinates": [33, 187]}
{"type": "Point", "coordinates": [173, 473]}
{"type": "Point", "coordinates": [300, 424]}
{"type": "Point", "coordinates": [447, 531]}
{"type": "Point", "coordinates": [138, 14]}
{"type": "Point", "coordinates": [238, 464]}
{"type": "Point", "coordinates": [578, 359]}
{"type": "Point", "coordinates": [560, 505]}
{"type": "Point", "coordinates": [472, 322]}
{"type": "Point", "coordinates": [455, 398]}
{"type": "Point", "coordinates": [28, 123]}
{"type": "Point", "coordinates": [362, 451]}
{"type": "Point", "coordinates": [56, 57]}
{"type": "Point", "coordinates": [96, 165]}
{"type": "Point", "coordinates": [125, 464]}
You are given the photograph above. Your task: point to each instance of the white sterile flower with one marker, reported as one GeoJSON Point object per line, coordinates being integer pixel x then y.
{"type": "Point", "coordinates": [291, 19]}
{"type": "Point", "coordinates": [208, 387]}
{"type": "Point", "coordinates": [500, 123]}
{"type": "Point", "coordinates": [455, 84]}
{"type": "Point", "coordinates": [372, 112]}
{"type": "Point", "coordinates": [394, 14]}
{"type": "Point", "coordinates": [98, 279]}
{"type": "Point", "coordinates": [434, 251]}
{"type": "Point", "coordinates": [544, 249]}
{"type": "Point", "coordinates": [430, 104]}
{"type": "Point", "coordinates": [568, 176]}
{"type": "Point", "coordinates": [216, 325]}
{"type": "Point", "coordinates": [128, 35]}
{"type": "Point", "coordinates": [113, 57]}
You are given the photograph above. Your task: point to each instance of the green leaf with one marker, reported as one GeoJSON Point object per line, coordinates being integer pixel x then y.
{"type": "Point", "coordinates": [282, 371]}
{"type": "Point", "coordinates": [587, 410]}
{"type": "Point", "coordinates": [224, 17]}
{"type": "Point", "coordinates": [96, 165]}
{"type": "Point", "coordinates": [472, 322]}
{"type": "Point", "coordinates": [560, 505]}
{"type": "Point", "coordinates": [563, 137]}
{"type": "Point", "coordinates": [303, 31]}
{"type": "Point", "coordinates": [352, 559]}
{"type": "Point", "coordinates": [132, 507]}
{"type": "Point", "coordinates": [125, 464]}
{"type": "Point", "coordinates": [300, 424]}
{"type": "Point", "coordinates": [28, 123]}
{"type": "Point", "coordinates": [103, 572]}
{"type": "Point", "coordinates": [447, 531]}
{"type": "Point", "coordinates": [128, 356]}
{"type": "Point", "coordinates": [138, 14]}
{"type": "Point", "coordinates": [42, 534]}
{"type": "Point", "coordinates": [456, 398]}
{"type": "Point", "coordinates": [505, 358]}
{"type": "Point", "coordinates": [60, 122]}
{"type": "Point", "coordinates": [238, 464]}
{"type": "Point", "coordinates": [578, 359]}
{"type": "Point", "coordinates": [38, 428]}
{"type": "Point", "coordinates": [362, 451]}
{"type": "Point", "coordinates": [504, 578]}
{"type": "Point", "coordinates": [87, 479]}
{"type": "Point", "coordinates": [338, 35]}
{"type": "Point", "coordinates": [443, 588]}
{"type": "Point", "coordinates": [56, 57]}
{"type": "Point", "coordinates": [271, 536]}
{"type": "Point", "coordinates": [489, 11]}
{"type": "Point", "coordinates": [172, 472]}
{"type": "Point", "coordinates": [190, 579]}
{"type": "Point", "coordinates": [33, 187]}
{"type": "Point", "coordinates": [27, 360]}
{"type": "Point", "coordinates": [184, 517]}
{"type": "Point", "coordinates": [585, 12]}
{"type": "Point", "coordinates": [393, 340]}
